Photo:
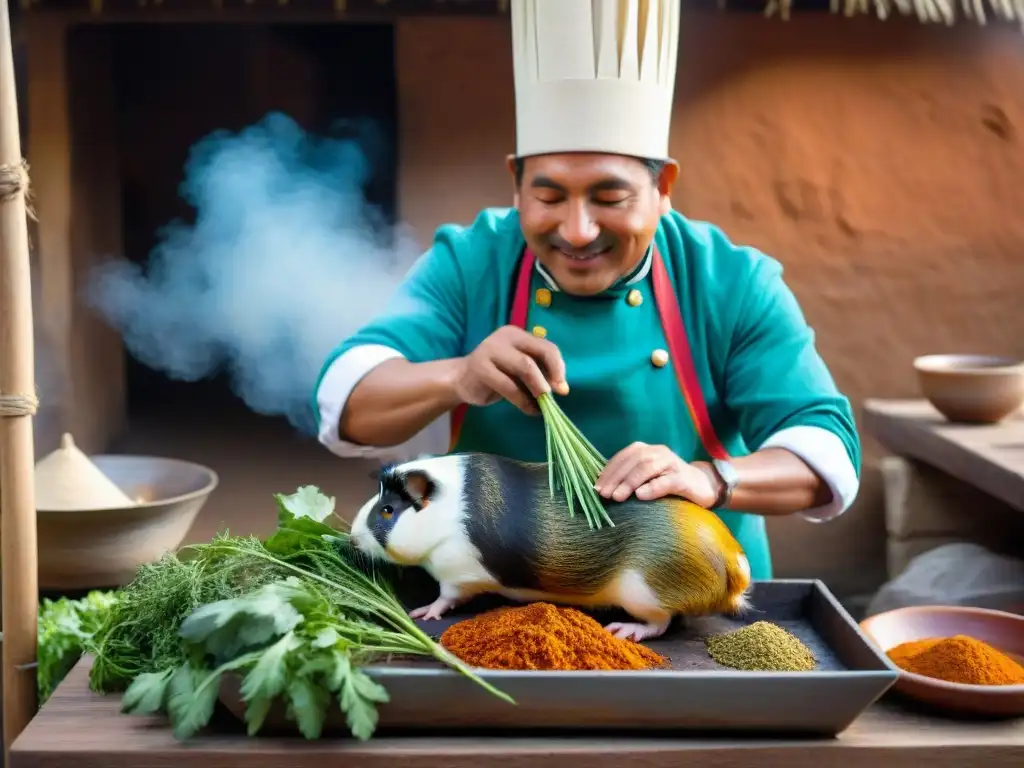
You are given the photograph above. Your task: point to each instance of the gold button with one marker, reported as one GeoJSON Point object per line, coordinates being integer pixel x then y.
{"type": "Point", "coordinates": [539, 332]}
{"type": "Point", "coordinates": [634, 298]}
{"type": "Point", "coordinates": [660, 358]}
{"type": "Point", "coordinates": [543, 297]}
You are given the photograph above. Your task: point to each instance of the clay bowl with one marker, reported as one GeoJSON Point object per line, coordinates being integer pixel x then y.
{"type": "Point", "coordinates": [1004, 631]}
{"type": "Point", "coordinates": [85, 549]}
{"type": "Point", "coordinates": [973, 389]}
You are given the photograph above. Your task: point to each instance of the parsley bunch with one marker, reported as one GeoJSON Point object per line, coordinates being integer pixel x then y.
{"type": "Point", "coordinates": [290, 642]}
{"type": "Point", "coordinates": [140, 633]}
{"type": "Point", "coordinates": [294, 615]}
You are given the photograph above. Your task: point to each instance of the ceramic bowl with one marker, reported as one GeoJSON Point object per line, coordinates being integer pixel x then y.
{"type": "Point", "coordinates": [101, 548]}
{"type": "Point", "coordinates": [978, 389]}
{"type": "Point", "coordinates": [999, 629]}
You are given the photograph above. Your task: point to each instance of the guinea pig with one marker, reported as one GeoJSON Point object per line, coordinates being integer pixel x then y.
{"type": "Point", "coordinates": [479, 523]}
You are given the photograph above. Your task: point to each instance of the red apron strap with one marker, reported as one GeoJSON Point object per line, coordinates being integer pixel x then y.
{"type": "Point", "coordinates": [517, 316]}
{"type": "Point", "coordinates": [675, 335]}
{"type": "Point", "coordinates": [682, 358]}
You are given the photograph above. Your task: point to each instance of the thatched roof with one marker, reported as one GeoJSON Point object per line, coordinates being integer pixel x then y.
{"type": "Point", "coordinates": [945, 12]}
{"type": "Point", "coordinates": [350, 8]}
{"type": "Point", "coordinates": [926, 11]}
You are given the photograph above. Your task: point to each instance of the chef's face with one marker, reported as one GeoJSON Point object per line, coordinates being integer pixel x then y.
{"type": "Point", "coordinates": [589, 218]}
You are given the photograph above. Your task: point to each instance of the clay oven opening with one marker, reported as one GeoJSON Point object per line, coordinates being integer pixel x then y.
{"type": "Point", "coordinates": [174, 84]}
{"type": "Point", "coordinates": [119, 93]}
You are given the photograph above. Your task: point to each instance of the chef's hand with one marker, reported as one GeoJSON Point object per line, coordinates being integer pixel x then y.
{"type": "Point", "coordinates": [654, 471]}
{"type": "Point", "coordinates": [511, 364]}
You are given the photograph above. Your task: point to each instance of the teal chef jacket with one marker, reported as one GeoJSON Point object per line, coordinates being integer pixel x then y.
{"type": "Point", "coordinates": [753, 352]}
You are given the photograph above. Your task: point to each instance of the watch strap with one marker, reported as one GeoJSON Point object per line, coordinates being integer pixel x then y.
{"type": "Point", "coordinates": [727, 474]}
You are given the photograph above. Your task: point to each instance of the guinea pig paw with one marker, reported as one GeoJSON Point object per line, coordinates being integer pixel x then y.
{"type": "Point", "coordinates": [433, 611]}
{"type": "Point", "coordinates": [636, 632]}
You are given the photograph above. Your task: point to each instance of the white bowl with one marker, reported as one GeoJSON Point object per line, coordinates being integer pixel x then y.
{"type": "Point", "coordinates": [102, 548]}
{"type": "Point", "coordinates": [975, 389]}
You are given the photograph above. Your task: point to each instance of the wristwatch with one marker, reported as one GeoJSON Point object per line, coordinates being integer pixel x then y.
{"type": "Point", "coordinates": [730, 479]}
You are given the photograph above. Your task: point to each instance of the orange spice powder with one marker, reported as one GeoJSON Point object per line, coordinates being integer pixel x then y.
{"type": "Point", "coordinates": [544, 636]}
{"type": "Point", "coordinates": [958, 659]}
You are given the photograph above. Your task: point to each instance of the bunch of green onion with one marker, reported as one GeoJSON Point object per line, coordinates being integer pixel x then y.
{"type": "Point", "coordinates": [575, 461]}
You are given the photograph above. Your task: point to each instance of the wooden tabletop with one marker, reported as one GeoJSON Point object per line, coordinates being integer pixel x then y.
{"type": "Point", "coordinates": [989, 457]}
{"type": "Point", "coordinates": [79, 729]}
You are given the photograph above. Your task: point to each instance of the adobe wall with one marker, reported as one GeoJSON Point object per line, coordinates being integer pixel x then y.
{"type": "Point", "coordinates": [879, 161]}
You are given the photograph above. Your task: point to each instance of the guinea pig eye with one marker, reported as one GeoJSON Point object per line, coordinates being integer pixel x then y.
{"type": "Point", "coordinates": [386, 512]}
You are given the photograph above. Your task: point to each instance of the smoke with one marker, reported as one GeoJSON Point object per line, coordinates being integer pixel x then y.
{"type": "Point", "coordinates": [51, 377]}
{"type": "Point", "coordinates": [285, 260]}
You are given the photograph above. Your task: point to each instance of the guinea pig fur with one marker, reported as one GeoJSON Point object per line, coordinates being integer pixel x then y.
{"type": "Point", "coordinates": [479, 523]}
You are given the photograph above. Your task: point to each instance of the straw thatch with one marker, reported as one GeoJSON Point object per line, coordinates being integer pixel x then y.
{"type": "Point", "coordinates": [943, 12]}
{"type": "Point", "coordinates": [946, 12]}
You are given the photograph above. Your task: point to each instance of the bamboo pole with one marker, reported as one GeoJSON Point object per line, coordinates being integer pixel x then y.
{"type": "Point", "coordinates": [18, 555]}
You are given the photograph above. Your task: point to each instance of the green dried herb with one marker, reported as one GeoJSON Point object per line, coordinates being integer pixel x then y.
{"type": "Point", "coordinates": [575, 461]}
{"type": "Point", "coordinates": [762, 647]}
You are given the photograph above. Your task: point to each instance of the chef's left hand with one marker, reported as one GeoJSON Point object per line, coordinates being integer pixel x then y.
{"type": "Point", "coordinates": [654, 471]}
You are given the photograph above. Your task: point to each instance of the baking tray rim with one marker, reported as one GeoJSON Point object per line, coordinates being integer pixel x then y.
{"type": "Point", "coordinates": [646, 674]}
{"type": "Point", "coordinates": [886, 672]}
{"type": "Point", "coordinates": [856, 690]}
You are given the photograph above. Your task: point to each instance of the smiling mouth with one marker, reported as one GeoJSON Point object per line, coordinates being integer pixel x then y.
{"type": "Point", "coordinates": [583, 257]}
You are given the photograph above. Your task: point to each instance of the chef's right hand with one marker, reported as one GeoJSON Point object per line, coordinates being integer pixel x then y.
{"type": "Point", "coordinates": [511, 364]}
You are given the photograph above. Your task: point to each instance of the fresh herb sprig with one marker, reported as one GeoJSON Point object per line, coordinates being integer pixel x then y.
{"type": "Point", "coordinates": [140, 633]}
{"type": "Point", "coordinates": [573, 463]}
{"type": "Point", "coordinates": [296, 618]}
{"type": "Point", "coordinates": [290, 644]}
{"type": "Point", "coordinates": [66, 628]}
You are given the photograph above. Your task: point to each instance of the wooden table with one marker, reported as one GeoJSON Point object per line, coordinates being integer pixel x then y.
{"type": "Point", "coordinates": [79, 729]}
{"type": "Point", "coordinates": [989, 457]}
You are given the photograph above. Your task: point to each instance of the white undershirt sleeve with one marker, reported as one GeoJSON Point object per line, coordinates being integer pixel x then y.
{"type": "Point", "coordinates": [334, 390]}
{"type": "Point", "coordinates": [825, 453]}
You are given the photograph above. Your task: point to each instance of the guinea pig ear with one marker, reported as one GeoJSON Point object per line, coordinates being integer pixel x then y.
{"type": "Point", "coordinates": [419, 486]}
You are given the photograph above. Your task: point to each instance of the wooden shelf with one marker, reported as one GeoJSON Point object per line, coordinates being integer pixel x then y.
{"type": "Point", "coordinates": [989, 457]}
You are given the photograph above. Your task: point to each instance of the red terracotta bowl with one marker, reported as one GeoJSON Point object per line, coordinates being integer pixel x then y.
{"type": "Point", "coordinates": [999, 629]}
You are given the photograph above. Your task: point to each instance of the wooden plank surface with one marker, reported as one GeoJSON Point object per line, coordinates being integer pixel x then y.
{"type": "Point", "coordinates": [989, 457]}
{"type": "Point", "coordinates": [81, 729]}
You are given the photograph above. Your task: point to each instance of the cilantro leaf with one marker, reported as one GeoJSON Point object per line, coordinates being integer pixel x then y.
{"type": "Point", "coordinates": [269, 675]}
{"type": "Point", "coordinates": [300, 521]}
{"type": "Point", "coordinates": [307, 705]}
{"type": "Point", "coordinates": [306, 502]}
{"type": "Point", "coordinates": [369, 688]}
{"type": "Point", "coordinates": [325, 638]}
{"type": "Point", "coordinates": [255, 713]}
{"type": "Point", "coordinates": [191, 696]}
{"type": "Point", "coordinates": [226, 628]}
{"type": "Point", "coordinates": [358, 696]}
{"type": "Point", "coordinates": [339, 671]}
{"type": "Point", "coordinates": [298, 536]}
{"type": "Point", "coordinates": [146, 694]}
{"type": "Point", "coordinates": [267, 679]}
{"type": "Point", "coordinates": [360, 712]}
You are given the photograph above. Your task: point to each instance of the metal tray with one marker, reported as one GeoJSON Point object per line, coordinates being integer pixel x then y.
{"type": "Point", "coordinates": [696, 694]}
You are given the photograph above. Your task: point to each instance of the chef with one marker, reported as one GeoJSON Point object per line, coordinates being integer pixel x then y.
{"type": "Point", "coordinates": [682, 356]}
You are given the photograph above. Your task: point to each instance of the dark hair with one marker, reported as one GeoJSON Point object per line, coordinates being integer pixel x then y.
{"type": "Point", "coordinates": [655, 168]}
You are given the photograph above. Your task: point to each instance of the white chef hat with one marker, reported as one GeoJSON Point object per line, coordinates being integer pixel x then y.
{"type": "Point", "coordinates": [594, 75]}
